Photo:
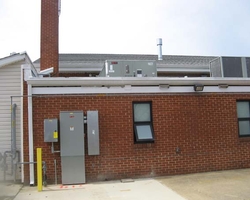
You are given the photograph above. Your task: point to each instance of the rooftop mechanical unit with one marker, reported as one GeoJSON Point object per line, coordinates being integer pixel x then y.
{"type": "Point", "coordinates": [129, 68]}
{"type": "Point", "coordinates": [230, 67]}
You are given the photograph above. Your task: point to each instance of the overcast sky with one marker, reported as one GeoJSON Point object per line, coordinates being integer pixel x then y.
{"type": "Point", "coordinates": [187, 27]}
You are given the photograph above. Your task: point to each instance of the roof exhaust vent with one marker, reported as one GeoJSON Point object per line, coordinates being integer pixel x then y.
{"type": "Point", "coordinates": [159, 44]}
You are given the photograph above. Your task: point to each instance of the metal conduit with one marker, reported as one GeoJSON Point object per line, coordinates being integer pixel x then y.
{"type": "Point", "coordinates": [13, 168]}
{"type": "Point", "coordinates": [13, 150]}
{"type": "Point", "coordinates": [13, 130]}
{"type": "Point", "coordinates": [44, 167]}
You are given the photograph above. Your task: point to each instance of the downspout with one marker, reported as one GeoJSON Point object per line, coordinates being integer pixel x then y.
{"type": "Point", "coordinates": [21, 122]}
{"type": "Point", "coordinates": [31, 143]}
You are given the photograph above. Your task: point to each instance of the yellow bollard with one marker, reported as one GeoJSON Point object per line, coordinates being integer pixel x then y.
{"type": "Point", "coordinates": [39, 169]}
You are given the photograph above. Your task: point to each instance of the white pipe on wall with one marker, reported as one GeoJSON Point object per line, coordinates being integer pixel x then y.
{"type": "Point", "coordinates": [23, 67]}
{"type": "Point", "coordinates": [21, 124]}
{"type": "Point", "coordinates": [31, 143]}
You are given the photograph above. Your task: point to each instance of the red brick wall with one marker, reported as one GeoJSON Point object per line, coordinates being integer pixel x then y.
{"type": "Point", "coordinates": [49, 35]}
{"type": "Point", "coordinates": [203, 126]}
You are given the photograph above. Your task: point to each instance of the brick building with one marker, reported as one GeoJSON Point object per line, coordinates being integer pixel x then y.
{"type": "Point", "coordinates": [147, 126]}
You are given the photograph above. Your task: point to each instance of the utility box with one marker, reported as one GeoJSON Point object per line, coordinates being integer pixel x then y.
{"type": "Point", "coordinates": [72, 147]}
{"type": "Point", "coordinates": [93, 133]}
{"type": "Point", "coordinates": [129, 68]}
{"type": "Point", "coordinates": [51, 130]}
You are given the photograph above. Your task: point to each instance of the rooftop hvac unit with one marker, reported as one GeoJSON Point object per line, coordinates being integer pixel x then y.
{"type": "Point", "coordinates": [230, 67]}
{"type": "Point", "coordinates": [129, 68]}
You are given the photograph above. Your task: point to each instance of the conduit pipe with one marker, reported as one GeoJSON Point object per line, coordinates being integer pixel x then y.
{"type": "Point", "coordinates": [20, 153]}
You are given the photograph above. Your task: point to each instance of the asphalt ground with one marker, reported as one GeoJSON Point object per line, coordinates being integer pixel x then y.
{"type": "Point", "coordinates": [219, 185]}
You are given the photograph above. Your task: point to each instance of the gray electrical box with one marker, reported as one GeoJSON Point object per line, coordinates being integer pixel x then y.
{"type": "Point", "coordinates": [50, 130]}
{"type": "Point", "coordinates": [72, 147]}
{"type": "Point", "coordinates": [129, 68]}
{"type": "Point", "coordinates": [71, 132]}
{"type": "Point", "coordinates": [93, 133]}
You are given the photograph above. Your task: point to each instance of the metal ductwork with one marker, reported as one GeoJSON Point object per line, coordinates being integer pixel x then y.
{"type": "Point", "coordinates": [159, 44]}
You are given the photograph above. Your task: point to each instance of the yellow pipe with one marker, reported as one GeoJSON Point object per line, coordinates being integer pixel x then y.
{"type": "Point", "coordinates": [39, 169]}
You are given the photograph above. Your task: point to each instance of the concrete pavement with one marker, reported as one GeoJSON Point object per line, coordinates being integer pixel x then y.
{"type": "Point", "coordinates": [144, 189]}
{"type": "Point", "coordinates": [8, 190]}
{"type": "Point", "coordinates": [220, 185]}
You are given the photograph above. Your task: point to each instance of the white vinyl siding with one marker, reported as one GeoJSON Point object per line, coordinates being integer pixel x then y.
{"type": "Point", "coordinates": [10, 85]}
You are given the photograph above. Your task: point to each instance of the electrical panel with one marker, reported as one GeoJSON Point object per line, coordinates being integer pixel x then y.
{"type": "Point", "coordinates": [51, 130]}
{"type": "Point", "coordinates": [72, 147]}
{"type": "Point", "coordinates": [93, 133]}
{"type": "Point", "coordinates": [71, 133]}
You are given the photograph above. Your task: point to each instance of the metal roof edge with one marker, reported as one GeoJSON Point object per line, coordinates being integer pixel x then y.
{"type": "Point", "coordinates": [135, 81]}
{"type": "Point", "coordinates": [12, 59]}
{"type": "Point", "coordinates": [30, 62]}
{"type": "Point", "coordinates": [16, 58]}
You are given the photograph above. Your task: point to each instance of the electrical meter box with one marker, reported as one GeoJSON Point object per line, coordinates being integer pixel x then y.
{"type": "Point", "coordinates": [93, 133]}
{"type": "Point", "coordinates": [51, 130]}
{"type": "Point", "coordinates": [129, 68]}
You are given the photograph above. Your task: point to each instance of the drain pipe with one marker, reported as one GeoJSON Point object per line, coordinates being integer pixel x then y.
{"type": "Point", "coordinates": [31, 143]}
{"type": "Point", "coordinates": [23, 67]}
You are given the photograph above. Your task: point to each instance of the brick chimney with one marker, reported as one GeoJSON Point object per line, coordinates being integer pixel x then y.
{"type": "Point", "coordinates": [49, 35]}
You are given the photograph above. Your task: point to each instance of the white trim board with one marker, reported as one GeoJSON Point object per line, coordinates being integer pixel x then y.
{"type": "Point", "coordinates": [136, 90]}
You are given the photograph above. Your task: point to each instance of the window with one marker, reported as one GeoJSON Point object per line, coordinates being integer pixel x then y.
{"type": "Point", "coordinates": [243, 113]}
{"type": "Point", "coordinates": [143, 125]}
